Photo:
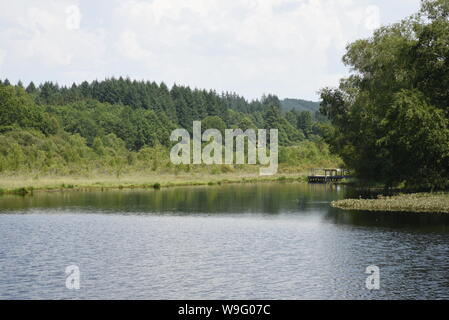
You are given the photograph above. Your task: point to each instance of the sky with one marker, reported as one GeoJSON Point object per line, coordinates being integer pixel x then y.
{"type": "Point", "coordinates": [290, 48]}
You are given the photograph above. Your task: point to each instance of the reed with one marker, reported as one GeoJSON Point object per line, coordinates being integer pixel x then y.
{"type": "Point", "coordinates": [417, 202]}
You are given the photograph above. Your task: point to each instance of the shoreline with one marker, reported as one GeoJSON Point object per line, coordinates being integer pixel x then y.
{"type": "Point", "coordinates": [58, 184]}
{"type": "Point", "coordinates": [415, 202]}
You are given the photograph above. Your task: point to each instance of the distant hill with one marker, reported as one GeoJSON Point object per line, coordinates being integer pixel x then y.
{"type": "Point", "coordinates": [300, 105]}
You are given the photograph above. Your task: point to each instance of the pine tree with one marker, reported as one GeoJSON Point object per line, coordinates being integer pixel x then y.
{"type": "Point", "coordinates": [305, 122]}
{"type": "Point", "coordinates": [31, 89]}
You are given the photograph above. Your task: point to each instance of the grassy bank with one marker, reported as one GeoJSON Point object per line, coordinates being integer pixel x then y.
{"type": "Point", "coordinates": [30, 161]}
{"type": "Point", "coordinates": [27, 184]}
{"type": "Point", "coordinates": [419, 202]}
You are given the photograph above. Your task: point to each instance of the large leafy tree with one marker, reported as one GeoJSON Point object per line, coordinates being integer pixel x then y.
{"type": "Point", "coordinates": [17, 109]}
{"type": "Point", "coordinates": [391, 116]}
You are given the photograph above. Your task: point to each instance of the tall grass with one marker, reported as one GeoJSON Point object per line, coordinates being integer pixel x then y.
{"type": "Point", "coordinates": [420, 202]}
{"type": "Point", "coordinates": [24, 152]}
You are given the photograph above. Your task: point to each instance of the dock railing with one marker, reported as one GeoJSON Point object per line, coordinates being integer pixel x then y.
{"type": "Point", "coordinates": [327, 175]}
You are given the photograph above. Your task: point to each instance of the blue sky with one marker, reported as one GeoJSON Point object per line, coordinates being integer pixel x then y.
{"type": "Point", "coordinates": [253, 47]}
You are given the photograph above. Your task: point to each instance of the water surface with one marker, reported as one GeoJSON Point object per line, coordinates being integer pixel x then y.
{"type": "Point", "coordinates": [262, 241]}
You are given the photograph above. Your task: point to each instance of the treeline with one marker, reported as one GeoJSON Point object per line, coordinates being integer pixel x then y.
{"type": "Point", "coordinates": [391, 116]}
{"type": "Point", "coordinates": [117, 123]}
{"type": "Point", "coordinates": [138, 105]}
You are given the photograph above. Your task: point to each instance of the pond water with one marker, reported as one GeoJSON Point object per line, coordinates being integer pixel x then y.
{"type": "Point", "coordinates": [258, 241]}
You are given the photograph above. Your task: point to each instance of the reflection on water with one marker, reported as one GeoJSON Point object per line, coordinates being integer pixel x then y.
{"type": "Point", "coordinates": [264, 198]}
{"type": "Point", "coordinates": [259, 198]}
{"type": "Point", "coordinates": [261, 241]}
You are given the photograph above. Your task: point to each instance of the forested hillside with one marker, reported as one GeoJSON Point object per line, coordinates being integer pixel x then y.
{"type": "Point", "coordinates": [300, 105]}
{"type": "Point", "coordinates": [119, 122]}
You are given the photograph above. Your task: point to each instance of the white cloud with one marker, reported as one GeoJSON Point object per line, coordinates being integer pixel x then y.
{"type": "Point", "coordinates": [276, 46]}
{"type": "Point", "coordinates": [288, 47]}
{"type": "Point", "coordinates": [129, 47]}
{"type": "Point", "coordinates": [2, 57]}
{"type": "Point", "coordinates": [73, 18]}
{"type": "Point", "coordinates": [47, 34]}
{"type": "Point", "coordinates": [372, 20]}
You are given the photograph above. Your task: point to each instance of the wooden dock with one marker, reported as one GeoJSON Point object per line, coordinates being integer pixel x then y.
{"type": "Point", "coordinates": [328, 175]}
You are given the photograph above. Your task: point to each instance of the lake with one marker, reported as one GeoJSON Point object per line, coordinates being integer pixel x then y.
{"type": "Point", "coordinates": [249, 241]}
